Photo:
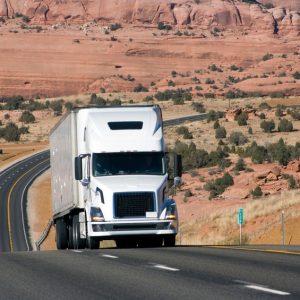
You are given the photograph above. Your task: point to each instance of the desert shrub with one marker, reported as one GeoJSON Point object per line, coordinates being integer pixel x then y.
{"type": "Point", "coordinates": [115, 102]}
{"type": "Point", "coordinates": [140, 88]}
{"type": "Point", "coordinates": [267, 56]}
{"type": "Point", "coordinates": [279, 111]}
{"type": "Point", "coordinates": [264, 105]}
{"type": "Point", "coordinates": [240, 165]}
{"type": "Point", "coordinates": [220, 133]}
{"type": "Point", "coordinates": [24, 130]}
{"type": "Point", "coordinates": [12, 103]}
{"type": "Point", "coordinates": [257, 153]}
{"type": "Point", "coordinates": [174, 73]}
{"type": "Point", "coordinates": [69, 106]}
{"type": "Point", "coordinates": [178, 96]}
{"type": "Point", "coordinates": [32, 105]}
{"type": "Point", "coordinates": [250, 130]}
{"type": "Point", "coordinates": [6, 116]}
{"type": "Point", "coordinates": [267, 126]}
{"type": "Point", "coordinates": [214, 115]}
{"type": "Point", "coordinates": [224, 163]}
{"type": "Point", "coordinates": [218, 186]}
{"type": "Point", "coordinates": [56, 106]}
{"type": "Point", "coordinates": [216, 124]}
{"type": "Point", "coordinates": [209, 95]}
{"type": "Point", "coordinates": [242, 119]}
{"type": "Point", "coordinates": [281, 152]}
{"type": "Point", "coordinates": [262, 116]}
{"type": "Point", "coordinates": [292, 184]}
{"type": "Point", "coordinates": [1, 151]}
{"type": "Point", "coordinates": [164, 26]}
{"type": "Point", "coordinates": [182, 130]}
{"type": "Point", "coordinates": [198, 107]}
{"type": "Point", "coordinates": [171, 83]}
{"type": "Point", "coordinates": [285, 126]}
{"type": "Point", "coordinates": [11, 132]}
{"type": "Point", "coordinates": [295, 114]}
{"type": "Point", "coordinates": [27, 117]}
{"type": "Point", "coordinates": [237, 138]}
{"type": "Point", "coordinates": [97, 101]}
{"type": "Point", "coordinates": [257, 192]}
{"type": "Point", "coordinates": [209, 81]}
{"type": "Point", "coordinates": [115, 26]}
{"type": "Point", "coordinates": [296, 75]}
{"type": "Point", "coordinates": [188, 193]}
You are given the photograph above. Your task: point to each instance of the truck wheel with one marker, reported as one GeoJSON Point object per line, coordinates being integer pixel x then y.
{"type": "Point", "coordinates": [170, 241]}
{"type": "Point", "coordinates": [61, 234]}
{"type": "Point", "coordinates": [78, 242]}
{"type": "Point", "coordinates": [70, 235]}
{"type": "Point", "coordinates": [92, 243]}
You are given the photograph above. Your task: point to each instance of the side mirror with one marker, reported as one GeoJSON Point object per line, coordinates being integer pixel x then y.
{"type": "Point", "coordinates": [177, 169]}
{"type": "Point", "coordinates": [78, 168]}
{"type": "Point", "coordinates": [177, 165]}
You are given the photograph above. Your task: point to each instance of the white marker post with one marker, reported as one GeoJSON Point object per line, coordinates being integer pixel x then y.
{"type": "Point", "coordinates": [282, 226]}
{"type": "Point", "coordinates": [240, 222]}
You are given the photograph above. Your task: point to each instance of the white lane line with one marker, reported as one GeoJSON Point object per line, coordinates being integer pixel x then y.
{"type": "Point", "coordinates": [77, 251]}
{"type": "Point", "coordinates": [267, 290]}
{"type": "Point", "coordinates": [110, 256]}
{"type": "Point", "coordinates": [163, 267]}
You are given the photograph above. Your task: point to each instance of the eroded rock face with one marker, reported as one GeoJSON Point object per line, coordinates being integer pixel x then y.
{"type": "Point", "coordinates": [223, 13]}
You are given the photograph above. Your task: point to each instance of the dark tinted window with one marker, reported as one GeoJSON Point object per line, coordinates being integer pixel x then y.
{"type": "Point", "coordinates": [131, 125]}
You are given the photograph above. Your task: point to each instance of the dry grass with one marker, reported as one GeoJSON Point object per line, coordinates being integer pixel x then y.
{"type": "Point", "coordinates": [259, 216]}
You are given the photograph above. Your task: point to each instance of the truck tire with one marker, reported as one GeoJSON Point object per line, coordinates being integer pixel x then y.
{"type": "Point", "coordinates": [61, 234]}
{"type": "Point", "coordinates": [92, 243]}
{"type": "Point", "coordinates": [170, 240]}
{"type": "Point", "coordinates": [70, 234]}
{"type": "Point", "coordinates": [78, 242]}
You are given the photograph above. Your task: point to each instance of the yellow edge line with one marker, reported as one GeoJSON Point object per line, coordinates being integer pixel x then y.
{"type": "Point", "coordinates": [8, 203]}
{"type": "Point", "coordinates": [256, 249]}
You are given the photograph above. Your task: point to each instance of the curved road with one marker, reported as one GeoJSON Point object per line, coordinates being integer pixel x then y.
{"type": "Point", "coordinates": [14, 183]}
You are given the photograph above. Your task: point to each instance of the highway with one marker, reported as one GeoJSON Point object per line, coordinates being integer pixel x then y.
{"type": "Point", "coordinates": [14, 183]}
{"type": "Point", "coordinates": [153, 273]}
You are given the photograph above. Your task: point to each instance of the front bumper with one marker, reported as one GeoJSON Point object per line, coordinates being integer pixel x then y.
{"type": "Point", "coordinates": [130, 228]}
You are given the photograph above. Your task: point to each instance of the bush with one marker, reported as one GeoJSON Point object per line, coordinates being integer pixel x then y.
{"type": "Point", "coordinates": [188, 136]}
{"type": "Point", "coordinates": [209, 81]}
{"type": "Point", "coordinates": [214, 115]}
{"type": "Point", "coordinates": [267, 56]}
{"type": "Point", "coordinates": [115, 26]}
{"type": "Point", "coordinates": [164, 26]}
{"type": "Point", "coordinates": [69, 106]}
{"type": "Point", "coordinates": [11, 132]}
{"type": "Point", "coordinates": [240, 165]}
{"type": "Point", "coordinates": [262, 116]}
{"type": "Point", "coordinates": [216, 124]}
{"type": "Point", "coordinates": [281, 152]}
{"type": "Point", "coordinates": [24, 130]}
{"type": "Point", "coordinates": [267, 126]}
{"type": "Point", "coordinates": [27, 117]}
{"type": "Point", "coordinates": [285, 126]}
{"type": "Point", "coordinates": [296, 75]}
{"type": "Point", "coordinates": [257, 192]}
{"type": "Point", "coordinates": [264, 105]}
{"type": "Point", "coordinates": [140, 88]}
{"type": "Point", "coordinates": [56, 106]}
{"type": "Point", "coordinates": [237, 138]}
{"type": "Point", "coordinates": [199, 107]}
{"type": "Point", "coordinates": [242, 119]}
{"type": "Point", "coordinates": [295, 115]}
{"type": "Point", "coordinates": [188, 193]}
{"type": "Point", "coordinates": [220, 133]}
{"type": "Point", "coordinates": [250, 130]}
{"type": "Point", "coordinates": [97, 101]}
{"type": "Point", "coordinates": [171, 83]}
{"type": "Point", "coordinates": [292, 184]}
{"type": "Point", "coordinates": [116, 102]}
{"type": "Point", "coordinates": [182, 130]}
{"type": "Point", "coordinates": [257, 153]}
{"type": "Point", "coordinates": [219, 185]}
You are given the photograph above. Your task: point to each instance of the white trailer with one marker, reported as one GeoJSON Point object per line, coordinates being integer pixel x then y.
{"type": "Point", "coordinates": [109, 178]}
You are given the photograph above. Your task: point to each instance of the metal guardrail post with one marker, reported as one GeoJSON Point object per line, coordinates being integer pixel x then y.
{"type": "Point", "coordinates": [44, 235]}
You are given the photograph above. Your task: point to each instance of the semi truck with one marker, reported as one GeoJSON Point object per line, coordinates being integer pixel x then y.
{"type": "Point", "coordinates": [109, 178]}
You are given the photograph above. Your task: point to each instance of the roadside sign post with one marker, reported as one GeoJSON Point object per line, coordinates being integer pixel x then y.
{"type": "Point", "coordinates": [240, 222]}
{"type": "Point", "coordinates": [282, 226]}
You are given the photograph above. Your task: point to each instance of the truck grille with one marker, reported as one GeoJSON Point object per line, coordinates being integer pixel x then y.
{"type": "Point", "coordinates": [133, 204]}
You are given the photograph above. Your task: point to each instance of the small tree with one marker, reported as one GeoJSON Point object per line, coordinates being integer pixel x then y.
{"type": "Point", "coordinates": [56, 106]}
{"type": "Point", "coordinates": [267, 126]}
{"type": "Point", "coordinates": [11, 132]}
{"type": "Point", "coordinates": [221, 133]}
{"type": "Point", "coordinates": [240, 165]}
{"type": "Point", "coordinates": [285, 126]}
{"type": "Point", "coordinates": [242, 119]}
{"type": "Point", "coordinates": [27, 117]}
{"type": "Point", "coordinates": [257, 192]}
{"type": "Point", "coordinates": [216, 124]}
{"type": "Point", "coordinates": [237, 138]}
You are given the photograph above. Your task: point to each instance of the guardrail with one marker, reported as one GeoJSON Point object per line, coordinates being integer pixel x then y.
{"type": "Point", "coordinates": [44, 235]}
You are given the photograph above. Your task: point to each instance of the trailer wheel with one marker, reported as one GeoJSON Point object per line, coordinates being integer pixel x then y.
{"type": "Point", "coordinates": [78, 242]}
{"type": "Point", "coordinates": [170, 240]}
{"type": "Point", "coordinates": [61, 234]}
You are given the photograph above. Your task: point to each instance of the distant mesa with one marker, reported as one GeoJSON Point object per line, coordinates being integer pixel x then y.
{"type": "Point", "coordinates": [270, 15]}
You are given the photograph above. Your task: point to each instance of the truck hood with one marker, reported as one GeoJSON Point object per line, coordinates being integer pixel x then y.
{"type": "Point", "coordinates": [128, 183]}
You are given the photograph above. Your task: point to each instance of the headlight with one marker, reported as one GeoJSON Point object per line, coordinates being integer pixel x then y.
{"type": "Point", "coordinates": [170, 206]}
{"type": "Point", "coordinates": [96, 214]}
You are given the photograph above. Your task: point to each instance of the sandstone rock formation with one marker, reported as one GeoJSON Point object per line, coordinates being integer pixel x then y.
{"type": "Point", "coordinates": [206, 13]}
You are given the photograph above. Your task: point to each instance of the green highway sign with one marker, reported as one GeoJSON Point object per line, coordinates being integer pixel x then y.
{"type": "Point", "coordinates": [241, 216]}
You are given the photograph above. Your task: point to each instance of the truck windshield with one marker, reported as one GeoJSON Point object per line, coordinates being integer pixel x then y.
{"type": "Point", "coordinates": [129, 163]}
